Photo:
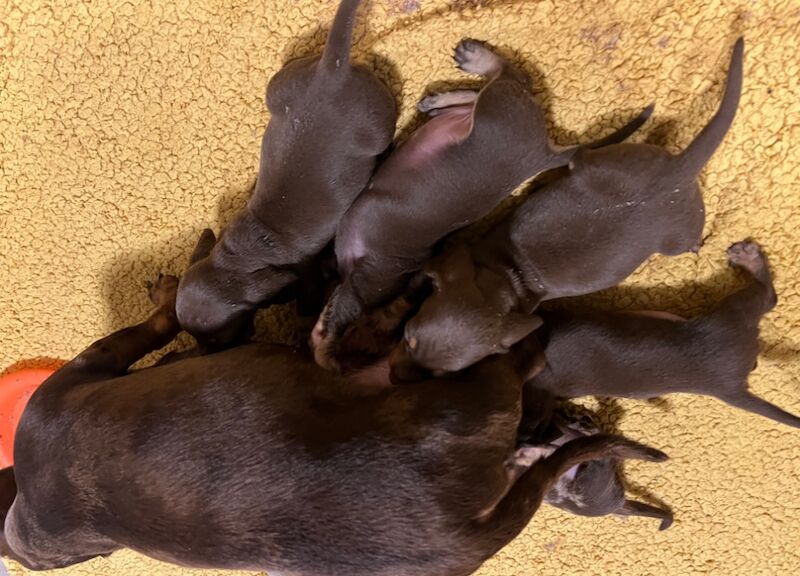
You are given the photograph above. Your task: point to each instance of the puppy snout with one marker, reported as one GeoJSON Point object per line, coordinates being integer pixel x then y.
{"type": "Point", "coordinates": [402, 368]}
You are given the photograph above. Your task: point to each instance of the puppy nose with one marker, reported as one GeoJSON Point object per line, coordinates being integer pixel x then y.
{"type": "Point", "coordinates": [402, 369]}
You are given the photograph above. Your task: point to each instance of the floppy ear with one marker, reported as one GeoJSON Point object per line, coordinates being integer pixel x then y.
{"type": "Point", "coordinates": [431, 270]}
{"type": "Point", "coordinates": [453, 265]}
{"type": "Point", "coordinates": [517, 326]}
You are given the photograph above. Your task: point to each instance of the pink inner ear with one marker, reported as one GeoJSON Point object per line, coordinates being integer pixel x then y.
{"type": "Point", "coordinates": [661, 315]}
{"type": "Point", "coordinates": [570, 474]}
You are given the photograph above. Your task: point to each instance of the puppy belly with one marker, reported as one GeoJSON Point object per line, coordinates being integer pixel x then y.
{"type": "Point", "coordinates": [450, 127]}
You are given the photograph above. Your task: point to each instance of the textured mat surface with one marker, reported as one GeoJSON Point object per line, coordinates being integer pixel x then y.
{"type": "Point", "coordinates": [126, 129]}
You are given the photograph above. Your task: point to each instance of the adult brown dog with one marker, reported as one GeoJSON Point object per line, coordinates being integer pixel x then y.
{"type": "Point", "coordinates": [645, 355]}
{"type": "Point", "coordinates": [451, 172]}
{"type": "Point", "coordinates": [330, 119]}
{"type": "Point", "coordinates": [584, 232]}
{"type": "Point", "coordinates": [255, 458]}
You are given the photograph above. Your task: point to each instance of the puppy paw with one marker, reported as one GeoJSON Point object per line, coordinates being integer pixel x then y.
{"type": "Point", "coordinates": [322, 345]}
{"type": "Point", "coordinates": [317, 334]}
{"type": "Point", "coordinates": [429, 103]}
{"type": "Point", "coordinates": [163, 291]}
{"type": "Point", "coordinates": [323, 356]}
{"type": "Point", "coordinates": [473, 57]}
{"type": "Point", "coordinates": [747, 255]}
{"type": "Point", "coordinates": [527, 456]}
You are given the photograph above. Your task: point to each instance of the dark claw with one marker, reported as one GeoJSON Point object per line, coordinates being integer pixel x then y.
{"type": "Point", "coordinates": [422, 106]}
{"type": "Point", "coordinates": [462, 50]}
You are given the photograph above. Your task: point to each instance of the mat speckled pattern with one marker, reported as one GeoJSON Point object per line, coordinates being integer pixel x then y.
{"type": "Point", "coordinates": [126, 127]}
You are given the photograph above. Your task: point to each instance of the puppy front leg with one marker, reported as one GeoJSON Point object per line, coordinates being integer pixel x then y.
{"type": "Point", "coordinates": [114, 354]}
{"type": "Point", "coordinates": [343, 308]}
{"type": "Point", "coordinates": [369, 284]}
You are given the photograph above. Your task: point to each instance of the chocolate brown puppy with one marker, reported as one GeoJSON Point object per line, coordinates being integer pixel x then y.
{"type": "Point", "coordinates": [451, 172]}
{"type": "Point", "coordinates": [592, 488]}
{"type": "Point", "coordinates": [636, 355]}
{"type": "Point", "coordinates": [330, 119]}
{"type": "Point", "coordinates": [257, 459]}
{"type": "Point", "coordinates": [584, 232]}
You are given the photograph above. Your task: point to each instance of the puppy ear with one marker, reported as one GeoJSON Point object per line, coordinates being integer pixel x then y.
{"type": "Point", "coordinates": [453, 265]}
{"type": "Point", "coordinates": [431, 271]}
{"type": "Point", "coordinates": [517, 326]}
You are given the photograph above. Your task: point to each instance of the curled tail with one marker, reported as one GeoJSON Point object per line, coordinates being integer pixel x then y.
{"type": "Point", "coordinates": [623, 133]}
{"type": "Point", "coordinates": [340, 36]}
{"type": "Point", "coordinates": [699, 152]}
{"type": "Point", "coordinates": [634, 508]}
{"type": "Point", "coordinates": [752, 403]}
{"type": "Point", "coordinates": [514, 511]}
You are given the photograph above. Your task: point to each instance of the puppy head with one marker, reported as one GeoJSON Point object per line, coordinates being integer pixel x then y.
{"type": "Point", "coordinates": [592, 488]}
{"type": "Point", "coordinates": [463, 321]}
{"type": "Point", "coordinates": [204, 309]}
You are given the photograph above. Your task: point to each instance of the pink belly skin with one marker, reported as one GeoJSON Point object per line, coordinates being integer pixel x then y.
{"type": "Point", "coordinates": [657, 314]}
{"type": "Point", "coordinates": [450, 126]}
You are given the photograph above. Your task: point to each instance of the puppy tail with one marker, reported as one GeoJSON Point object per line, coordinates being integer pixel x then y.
{"type": "Point", "coordinates": [515, 510]}
{"type": "Point", "coordinates": [561, 156]}
{"type": "Point", "coordinates": [623, 133]}
{"type": "Point", "coordinates": [752, 403]}
{"type": "Point", "coordinates": [699, 152]}
{"type": "Point", "coordinates": [634, 508]}
{"type": "Point", "coordinates": [340, 37]}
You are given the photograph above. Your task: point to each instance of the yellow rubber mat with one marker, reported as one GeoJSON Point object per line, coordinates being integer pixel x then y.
{"type": "Point", "coordinates": [126, 127]}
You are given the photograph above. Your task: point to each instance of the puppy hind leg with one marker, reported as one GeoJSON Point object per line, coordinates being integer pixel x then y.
{"type": "Point", "coordinates": [474, 57]}
{"type": "Point", "coordinates": [634, 508]}
{"type": "Point", "coordinates": [748, 256]}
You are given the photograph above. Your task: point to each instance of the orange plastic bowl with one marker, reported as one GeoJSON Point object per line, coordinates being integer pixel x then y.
{"type": "Point", "coordinates": [16, 389]}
